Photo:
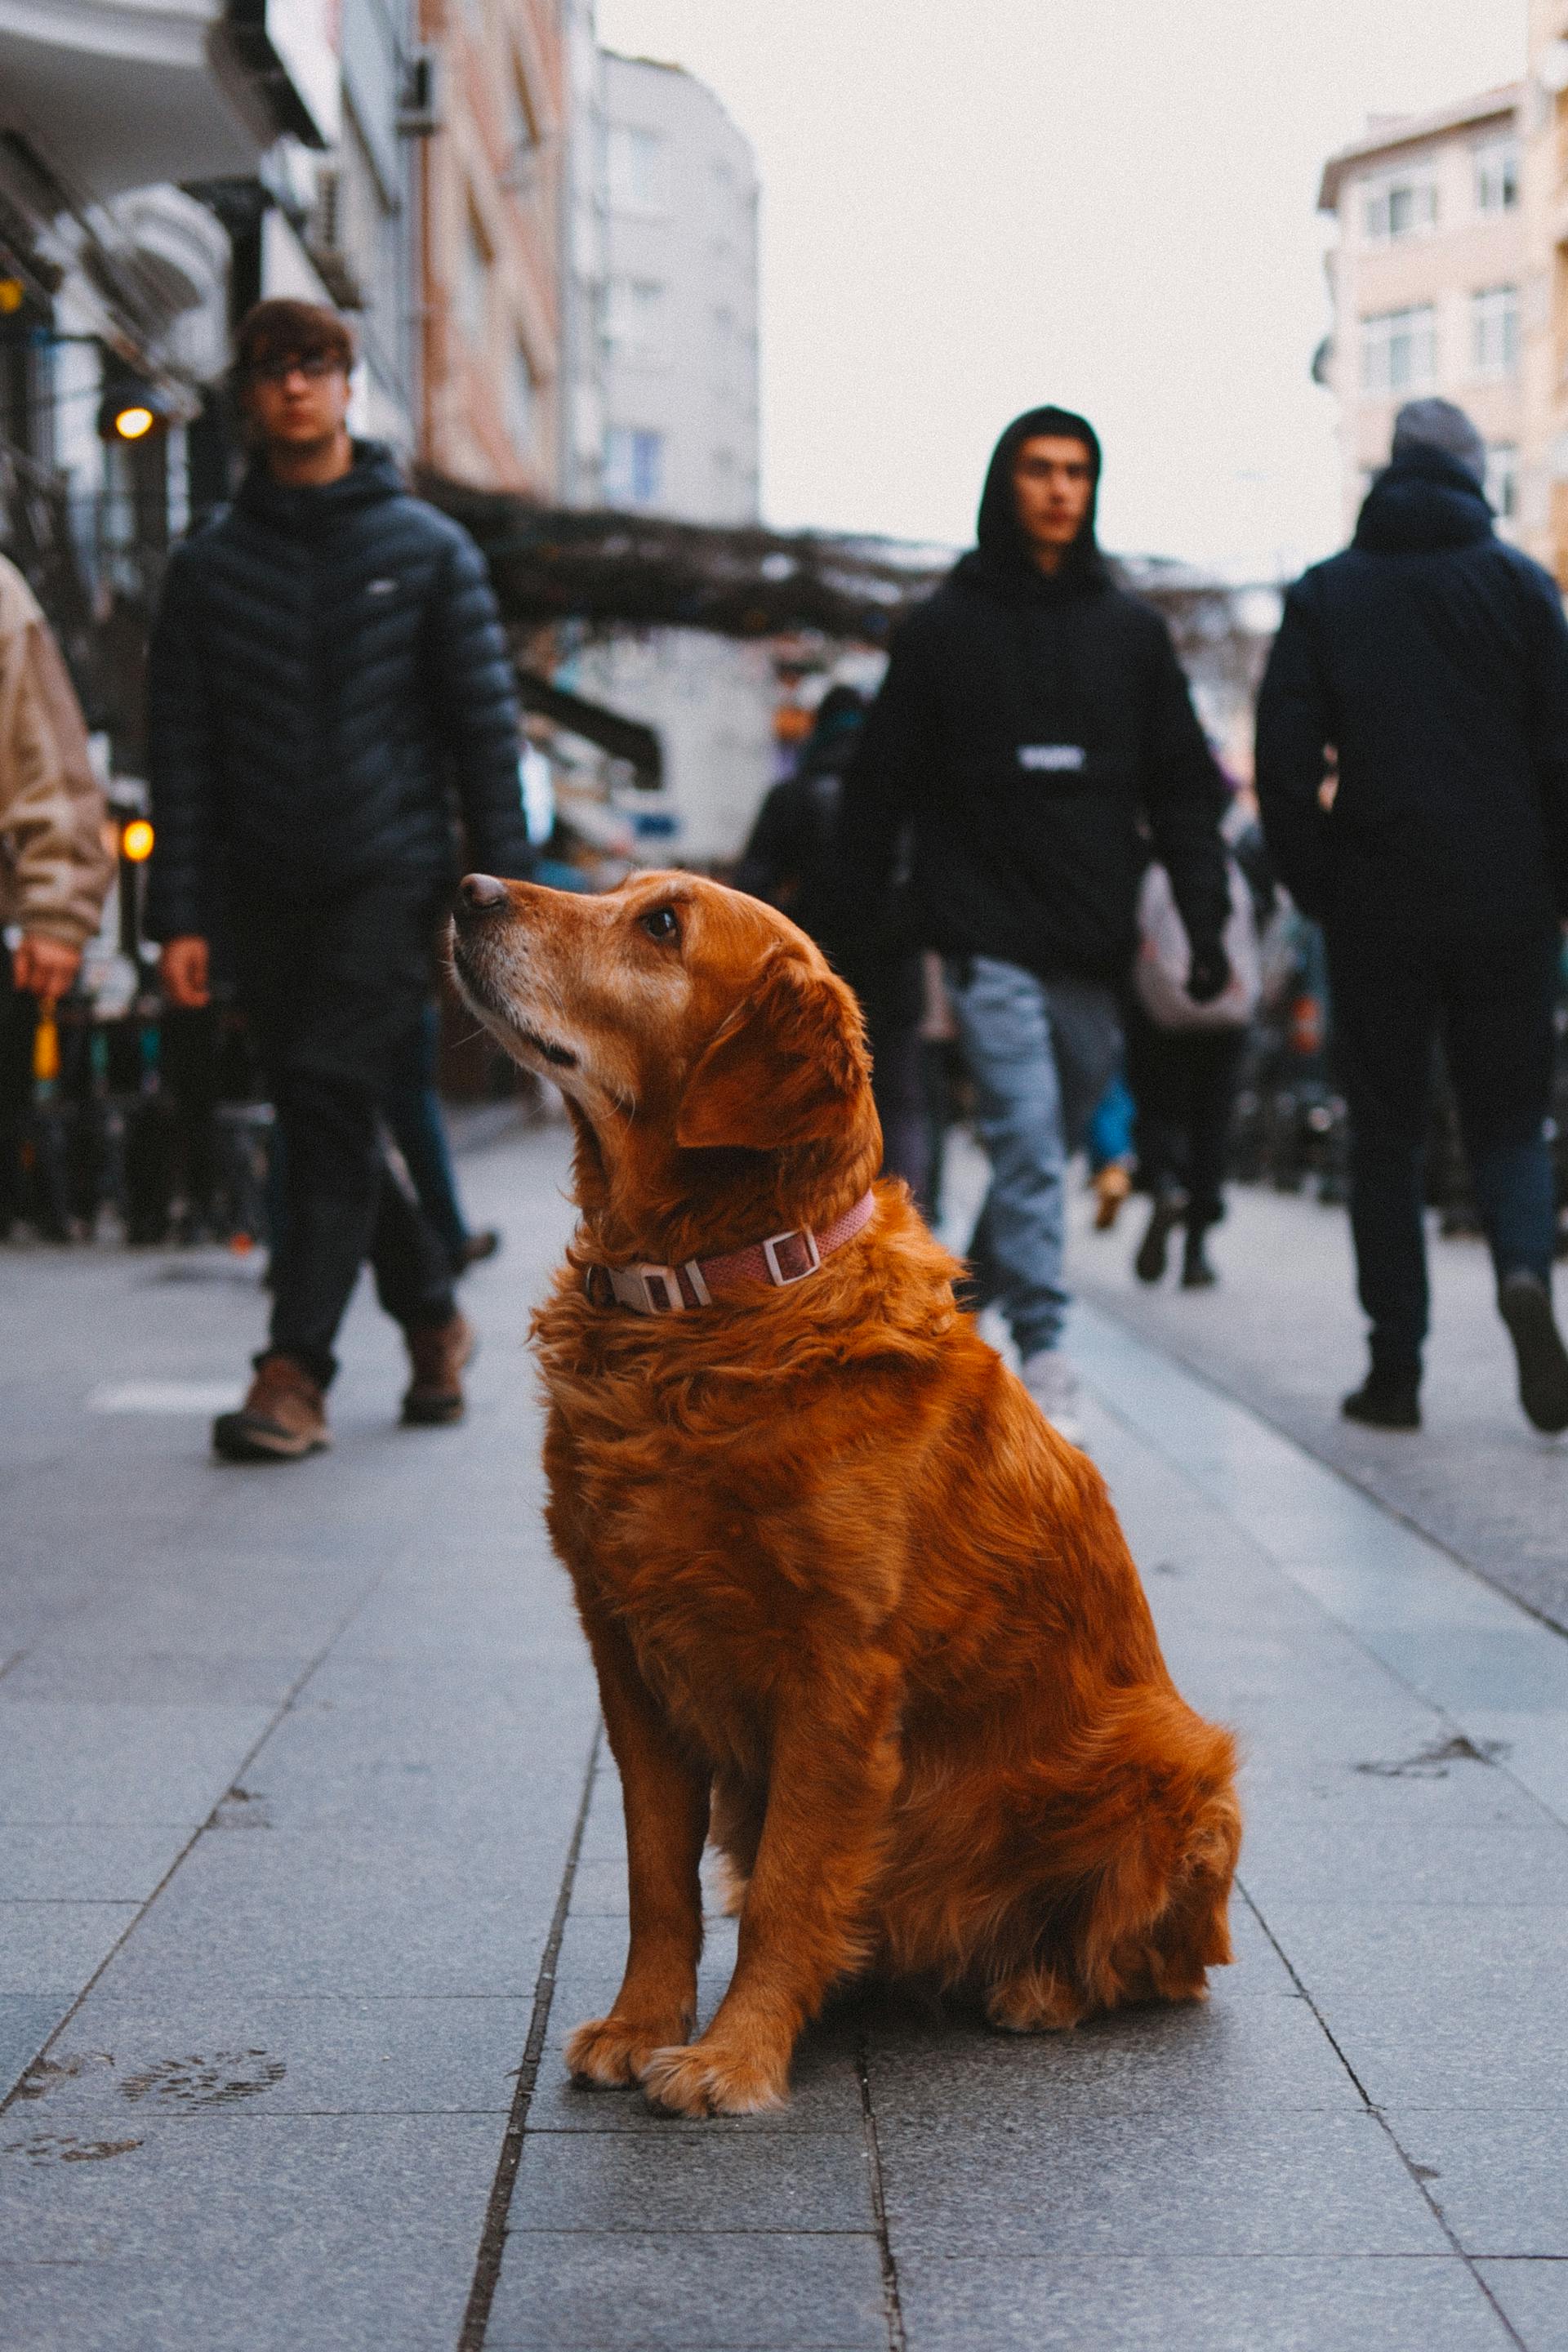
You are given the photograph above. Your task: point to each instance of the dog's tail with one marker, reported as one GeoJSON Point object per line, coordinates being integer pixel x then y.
{"type": "Point", "coordinates": [1148, 1839]}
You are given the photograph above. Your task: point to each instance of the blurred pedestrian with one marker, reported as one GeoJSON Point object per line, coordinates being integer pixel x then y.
{"type": "Point", "coordinates": [1034, 720]}
{"type": "Point", "coordinates": [55, 863]}
{"type": "Point", "coordinates": [793, 861]}
{"type": "Point", "coordinates": [1182, 1063]}
{"type": "Point", "coordinates": [327, 661]}
{"type": "Point", "coordinates": [1433, 659]}
{"type": "Point", "coordinates": [418, 1125]}
{"type": "Point", "coordinates": [1113, 1155]}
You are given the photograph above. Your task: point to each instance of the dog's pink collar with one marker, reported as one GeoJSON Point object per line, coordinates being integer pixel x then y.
{"type": "Point", "coordinates": [781, 1260]}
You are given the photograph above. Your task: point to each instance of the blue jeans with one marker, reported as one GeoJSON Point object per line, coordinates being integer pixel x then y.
{"type": "Point", "coordinates": [1041, 1054]}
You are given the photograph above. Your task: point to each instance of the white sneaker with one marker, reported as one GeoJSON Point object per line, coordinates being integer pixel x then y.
{"type": "Point", "coordinates": [1053, 1383]}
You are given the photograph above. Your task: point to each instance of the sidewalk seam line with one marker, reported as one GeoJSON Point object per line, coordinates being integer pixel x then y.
{"type": "Point", "coordinates": [1469, 2260]}
{"type": "Point", "coordinates": [892, 2303]}
{"type": "Point", "coordinates": [498, 2205]}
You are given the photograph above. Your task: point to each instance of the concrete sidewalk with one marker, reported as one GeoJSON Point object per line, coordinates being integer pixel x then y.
{"type": "Point", "coordinates": [310, 1861]}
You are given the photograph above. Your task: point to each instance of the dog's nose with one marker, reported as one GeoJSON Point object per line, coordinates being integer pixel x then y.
{"type": "Point", "coordinates": [481, 894]}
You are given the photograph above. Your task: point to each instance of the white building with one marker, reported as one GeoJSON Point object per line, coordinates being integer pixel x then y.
{"type": "Point", "coordinates": [1426, 273]}
{"type": "Point", "coordinates": [675, 233]}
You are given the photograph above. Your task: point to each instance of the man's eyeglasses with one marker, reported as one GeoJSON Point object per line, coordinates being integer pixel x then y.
{"type": "Point", "coordinates": [313, 368]}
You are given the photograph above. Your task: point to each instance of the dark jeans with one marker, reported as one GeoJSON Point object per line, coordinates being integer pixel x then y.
{"type": "Point", "coordinates": [1184, 1084]}
{"type": "Point", "coordinates": [334, 989]}
{"type": "Point", "coordinates": [898, 1087]}
{"type": "Point", "coordinates": [413, 1111]}
{"type": "Point", "coordinates": [1491, 1000]}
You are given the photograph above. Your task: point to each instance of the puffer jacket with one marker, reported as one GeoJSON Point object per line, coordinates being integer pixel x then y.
{"type": "Point", "coordinates": [1434, 658]}
{"type": "Point", "coordinates": [327, 664]}
{"type": "Point", "coordinates": [54, 864]}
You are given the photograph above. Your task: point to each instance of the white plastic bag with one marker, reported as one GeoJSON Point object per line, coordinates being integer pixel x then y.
{"type": "Point", "coordinates": [1164, 957]}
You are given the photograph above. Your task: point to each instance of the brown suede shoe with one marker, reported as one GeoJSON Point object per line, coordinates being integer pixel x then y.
{"type": "Point", "coordinates": [283, 1418]}
{"type": "Point", "coordinates": [438, 1352]}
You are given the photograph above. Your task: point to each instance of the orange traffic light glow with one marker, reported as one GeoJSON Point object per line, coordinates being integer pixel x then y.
{"type": "Point", "coordinates": [132, 424]}
{"type": "Point", "coordinates": [136, 841]}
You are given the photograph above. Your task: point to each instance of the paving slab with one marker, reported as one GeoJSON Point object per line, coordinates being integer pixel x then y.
{"type": "Point", "coordinates": [1130, 2304]}
{"type": "Point", "coordinates": [1533, 2296]}
{"type": "Point", "coordinates": [683, 2291]}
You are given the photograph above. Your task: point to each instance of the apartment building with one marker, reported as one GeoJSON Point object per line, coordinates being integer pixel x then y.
{"type": "Point", "coordinates": [1544, 128]}
{"type": "Point", "coordinates": [680, 298]}
{"type": "Point", "coordinates": [492, 221]}
{"type": "Point", "coordinates": [1427, 274]}
{"type": "Point", "coordinates": [675, 233]}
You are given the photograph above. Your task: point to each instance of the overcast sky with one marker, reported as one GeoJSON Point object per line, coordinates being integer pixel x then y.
{"type": "Point", "coordinates": [973, 206]}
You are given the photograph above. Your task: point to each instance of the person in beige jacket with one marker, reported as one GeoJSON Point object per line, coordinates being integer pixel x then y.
{"type": "Point", "coordinates": [55, 862]}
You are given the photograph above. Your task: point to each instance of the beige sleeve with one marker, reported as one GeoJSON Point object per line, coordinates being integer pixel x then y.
{"type": "Point", "coordinates": [52, 812]}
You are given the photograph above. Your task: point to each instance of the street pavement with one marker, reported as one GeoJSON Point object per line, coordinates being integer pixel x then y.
{"type": "Point", "coordinates": [310, 1859]}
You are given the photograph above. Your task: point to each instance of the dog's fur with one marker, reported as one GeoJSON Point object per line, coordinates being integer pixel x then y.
{"type": "Point", "coordinates": [860, 1615]}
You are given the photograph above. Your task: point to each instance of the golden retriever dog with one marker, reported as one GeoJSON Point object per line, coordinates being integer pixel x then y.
{"type": "Point", "coordinates": [859, 1616]}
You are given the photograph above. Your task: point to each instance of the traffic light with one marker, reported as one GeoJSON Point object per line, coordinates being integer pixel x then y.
{"type": "Point", "coordinates": [136, 841]}
{"type": "Point", "coordinates": [132, 410]}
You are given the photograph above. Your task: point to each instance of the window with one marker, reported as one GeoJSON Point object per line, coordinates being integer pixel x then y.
{"type": "Point", "coordinates": [520, 397]}
{"type": "Point", "coordinates": [633, 466]}
{"type": "Point", "coordinates": [474, 285]}
{"type": "Point", "coordinates": [1497, 176]}
{"type": "Point", "coordinates": [634, 319]}
{"type": "Point", "coordinates": [635, 161]}
{"type": "Point", "coordinates": [1399, 351]}
{"type": "Point", "coordinates": [1494, 331]}
{"type": "Point", "coordinates": [1502, 480]}
{"type": "Point", "coordinates": [1400, 207]}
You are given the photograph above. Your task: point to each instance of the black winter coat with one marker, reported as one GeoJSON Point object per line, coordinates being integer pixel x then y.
{"type": "Point", "coordinates": [1029, 730]}
{"type": "Point", "coordinates": [326, 665]}
{"type": "Point", "coordinates": [1434, 659]}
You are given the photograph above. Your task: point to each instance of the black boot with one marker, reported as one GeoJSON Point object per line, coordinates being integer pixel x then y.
{"type": "Point", "coordinates": [1197, 1274]}
{"type": "Point", "coordinates": [1169, 1209]}
{"type": "Point", "coordinates": [1389, 1398]}
{"type": "Point", "coordinates": [1524, 1302]}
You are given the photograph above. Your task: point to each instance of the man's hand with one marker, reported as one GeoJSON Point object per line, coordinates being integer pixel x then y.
{"type": "Point", "coordinates": [1208, 974]}
{"type": "Point", "coordinates": [43, 966]}
{"type": "Point", "coordinates": [183, 973]}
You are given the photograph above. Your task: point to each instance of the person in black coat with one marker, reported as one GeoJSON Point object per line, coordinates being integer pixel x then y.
{"type": "Point", "coordinates": [1032, 731]}
{"type": "Point", "coordinates": [1432, 660]}
{"type": "Point", "coordinates": [792, 860]}
{"type": "Point", "coordinates": [328, 673]}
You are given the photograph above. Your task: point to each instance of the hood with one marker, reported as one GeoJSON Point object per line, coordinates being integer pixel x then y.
{"type": "Point", "coordinates": [1001, 559]}
{"type": "Point", "coordinates": [374, 476]}
{"type": "Point", "coordinates": [1423, 501]}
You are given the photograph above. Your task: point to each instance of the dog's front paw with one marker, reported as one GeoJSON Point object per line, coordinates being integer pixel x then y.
{"type": "Point", "coordinates": [704, 2080]}
{"type": "Point", "coordinates": [611, 2052]}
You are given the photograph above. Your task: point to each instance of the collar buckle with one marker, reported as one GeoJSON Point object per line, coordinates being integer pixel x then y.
{"type": "Point", "coordinates": [654, 1289]}
{"type": "Point", "coordinates": [791, 1257]}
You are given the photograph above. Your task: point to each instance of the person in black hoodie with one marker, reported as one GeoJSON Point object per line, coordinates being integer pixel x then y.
{"type": "Point", "coordinates": [1433, 659]}
{"type": "Point", "coordinates": [326, 665]}
{"type": "Point", "coordinates": [791, 859]}
{"type": "Point", "coordinates": [1032, 733]}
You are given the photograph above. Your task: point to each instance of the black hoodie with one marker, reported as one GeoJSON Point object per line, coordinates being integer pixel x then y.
{"type": "Point", "coordinates": [327, 663]}
{"type": "Point", "coordinates": [1434, 658]}
{"type": "Point", "coordinates": [1034, 731]}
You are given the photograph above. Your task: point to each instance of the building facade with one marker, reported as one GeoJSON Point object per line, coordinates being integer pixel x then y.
{"type": "Point", "coordinates": [1427, 277]}
{"type": "Point", "coordinates": [667, 252]}
{"type": "Point", "coordinates": [492, 199]}
{"type": "Point", "coordinates": [680, 323]}
{"type": "Point", "coordinates": [1544, 128]}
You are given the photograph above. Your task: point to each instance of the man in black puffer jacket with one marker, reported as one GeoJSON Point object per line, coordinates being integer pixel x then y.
{"type": "Point", "coordinates": [1033, 731]}
{"type": "Point", "coordinates": [1433, 660]}
{"type": "Point", "coordinates": [326, 668]}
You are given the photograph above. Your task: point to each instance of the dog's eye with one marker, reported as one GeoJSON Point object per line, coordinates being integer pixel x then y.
{"type": "Point", "coordinates": [661, 924]}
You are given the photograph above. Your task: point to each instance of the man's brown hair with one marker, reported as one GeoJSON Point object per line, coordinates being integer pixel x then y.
{"type": "Point", "coordinates": [281, 328]}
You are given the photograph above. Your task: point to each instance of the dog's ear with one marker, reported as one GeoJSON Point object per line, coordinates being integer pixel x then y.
{"type": "Point", "coordinates": [787, 1067]}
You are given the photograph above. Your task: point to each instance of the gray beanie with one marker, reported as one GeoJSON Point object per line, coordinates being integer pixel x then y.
{"type": "Point", "coordinates": [1438, 424]}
